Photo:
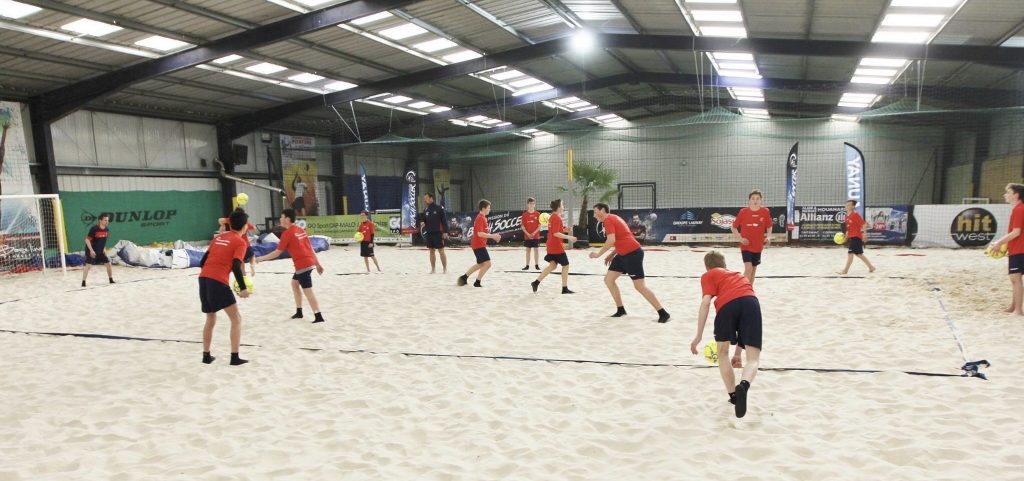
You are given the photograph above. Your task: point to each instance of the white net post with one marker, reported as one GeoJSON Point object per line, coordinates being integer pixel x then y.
{"type": "Point", "coordinates": [32, 235]}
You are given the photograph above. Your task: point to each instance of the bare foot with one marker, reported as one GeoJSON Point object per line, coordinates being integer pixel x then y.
{"type": "Point", "coordinates": [871, 270]}
{"type": "Point", "coordinates": [842, 273]}
{"type": "Point", "coordinates": [1008, 310]}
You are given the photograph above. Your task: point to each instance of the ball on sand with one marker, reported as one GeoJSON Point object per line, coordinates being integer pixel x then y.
{"type": "Point", "coordinates": [711, 352]}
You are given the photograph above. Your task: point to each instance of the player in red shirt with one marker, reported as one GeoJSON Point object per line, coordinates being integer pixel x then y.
{"type": "Point", "coordinates": [367, 228]}
{"type": "Point", "coordinates": [296, 242]}
{"type": "Point", "coordinates": [855, 230]}
{"type": "Point", "coordinates": [738, 321]}
{"type": "Point", "coordinates": [1015, 245]}
{"type": "Point", "coordinates": [556, 248]}
{"type": "Point", "coordinates": [531, 233]}
{"type": "Point", "coordinates": [249, 227]}
{"type": "Point", "coordinates": [481, 232]}
{"type": "Point", "coordinates": [627, 258]}
{"type": "Point", "coordinates": [753, 226]}
{"type": "Point", "coordinates": [223, 257]}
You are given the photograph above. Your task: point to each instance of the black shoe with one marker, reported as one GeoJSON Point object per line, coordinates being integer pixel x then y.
{"type": "Point", "coordinates": [527, 267]}
{"type": "Point", "coordinates": [83, 283]}
{"type": "Point", "coordinates": [565, 290]}
{"type": "Point", "coordinates": [620, 312]}
{"type": "Point", "coordinates": [663, 316]}
{"type": "Point", "coordinates": [476, 283]}
{"type": "Point", "coordinates": [535, 266]}
{"type": "Point", "coordinates": [741, 398]}
{"type": "Point", "coordinates": [237, 361]}
{"type": "Point", "coordinates": [535, 285]}
{"type": "Point", "coordinates": [462, 280]}
{"type": "Point", "coordinates": [112, 280]}
{"type": "Point", "coordinates": [297, 315]}
{"type": "Point", "coordinates": [207, 358]}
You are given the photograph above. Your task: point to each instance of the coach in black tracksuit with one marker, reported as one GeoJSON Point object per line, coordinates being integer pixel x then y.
{"type": "Point", "coordinates": [434, 228]}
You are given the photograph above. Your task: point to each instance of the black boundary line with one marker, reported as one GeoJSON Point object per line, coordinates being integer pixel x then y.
{"type": "Point", "coordinates": [479, 356]}
{"type": "Point", "coordinates": [759, 277]}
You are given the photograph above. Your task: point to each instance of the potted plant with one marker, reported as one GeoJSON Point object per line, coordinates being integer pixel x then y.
{"type": "Point", "coordinates": [589, 181]}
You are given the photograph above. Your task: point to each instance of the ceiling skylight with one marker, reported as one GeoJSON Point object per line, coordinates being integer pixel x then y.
{"type": "Point", "coordinates": [162, 44]}
{"type": "Point", "coordinates": [925, 3]}
{"type": "Point", "coordinates": [883, 62]}
{"type": "Point", "coordinates": [480, 121]}
{"type": "Point", "coordinates": [717, 15]}
{"type": "Point", "coordinates": [461, 56]}
{"type": "Point", "coordinates": [421, 105]}
{"type": "Point", "coordinates": [372, 18]}
{"type": "Point", "coordinates": [265, 68]}
{"type": "Point", "coordinates": [605, 119]}
{"type": "Point", "coordinates": [305, 78]}
{"type": "Point", "coordinates": [90, 27]}
{"type": "Point", "coordinates": [397, 99]}
{"type": "Point", "coordinates": [228, 59]}
{"type": "Point", "coordinates": [338, 86]}
{"type": "Point", "coordinates": [870, 80]}
{"type": "Point", "coordinates": [900, 36]}
{"type": "Point", "coordinates": [435, 45]}
{"type": "Point", "coordinates": [507, 74]}
{"type": "Point", "coordinates": [405, 30]}
{"type": "Point", "coordinates": [911, 20]}
{"type": "Point", "coordinates": [11, 9]}
{"type": "Point", "coordinates": [735, 32]}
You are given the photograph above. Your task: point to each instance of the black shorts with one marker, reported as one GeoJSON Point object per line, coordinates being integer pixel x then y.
{"type": "Point", "coordinates": [855, 245]}
{"type": "Point", "coordinates": [1017, 264]}
{"type": "Point", "coordinates": [739, 322]}
{"type": "Point", "coordinates": [531, 243]}
{"type": "Point", "coordinates": [562, 259]}
{"type": "Point", "coordinates": [481, 255]}
{"type": "Point", "coordinates": [752, 257]}
{"type": "Point", "coordinates": [214, 295]}
{"type": "Point", "coordinates": [366, 249]}
{"type": "Point", "coordinates": [248, 254]}
{"type": "Point", "coordinates": [100, 259]}
{"type": "Point", "coordinates": [631, 264]}
{"type": "Point", "coordinates": [299, 203]}
{"type": "Point", "coordinates": [305, 279]}
{"type": "Point", "coordinates": [434, 240]}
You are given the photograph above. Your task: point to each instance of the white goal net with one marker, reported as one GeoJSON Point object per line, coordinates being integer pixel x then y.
{"type": "Point", "coordinates": [32, 236]}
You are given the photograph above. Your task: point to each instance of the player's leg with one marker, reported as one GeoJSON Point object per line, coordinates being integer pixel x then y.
{"type": "Point", "coordinates": [753, 360]}
{"type": "Point", "coordinates": [648, 294]}
{"type": "Point", "coordinates": [613, 289]}
{"type": "Point", "coordinates": [444, 261]}
{"type": "Point", "coordinates": [565, 280]}
{"type": "Point", "coordinates": [366, 261]}
{"type": "Point", "coordinates": [527, 266]}
{"type": "Point", "coordinates": [748, 271]}
{"type": "Point", "coordinates": [1018, 294]}
{"type": "Point", "coordinates": [536, 257]}
{"type": "Point", "coordinates": [85, 271]}
{"type": "Point", "coordinates": [374, 263]}
{"type": "Point", "coordinates": [484, 267]}
{"type": "Point", "coordinates": [297, 295]}
{"type": "Point", "coordinates": [724, 368]}
{"type": "Point", "coordinates": [753, 274]}
{"type": "Point", "coordinates": [871, 268]}
{"type": "Point", "coordinates": [433, 260]}
{"type": "Point", "coordinates": [236, 333]}
{"type": "Point", "coordinates": [313, 303]}
{"type": "Point", "coordinates": [211, 322]}
{"type": "Point", "coordinates": [849, 262]}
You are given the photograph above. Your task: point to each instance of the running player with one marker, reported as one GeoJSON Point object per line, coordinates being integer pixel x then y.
{"type": "Point", "coordinates": [556, 248]}
{"type": "Point", "coordinates": [95, 243]}
{"type": "Point", "coordinates": [296, 242]}
{"type": "Point", "coordinates": [481, 232]}
{"type": "Point", "coordinates": [753, 226]}
{"type": "Point", "coordinates": [223, 257]}
{"type": "Point", "coordinates": [435, 231]}
{"type": "Point", "coordinates": [627, 258]}
{"type": "Point", "coordinates": [855, 229]}
{"type": "Point", "coordinates": [531, 233]}
{"type": "Point", "coordinates": [738, 320]}
{"type": "Point", "coordinates": [367, 228]}
{"type": "Point", "coordinates": [1015, 245]}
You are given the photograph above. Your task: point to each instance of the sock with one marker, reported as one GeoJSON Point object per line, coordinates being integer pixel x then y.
{"type": "Point", "coordinates": [83, 283]}
{"type": "Point", "coordinates": [527, 267]}
{"type": "Point", "coordinates": [535, 285]}
{"type": "Point", "coordinates": [535, 266]}
{"type": "Point", "coordinates": [298, 313]}
{"type": "Point", "coordinates": [207, 358]}
{"type": "Point", "coordinates": [732, 397]}
{"type": "Point", "coordinates": [317, 317]}
{"type": "Point", "coordinates": [621, 311]}
{"type": "Point", "coordinates": [663, 316]}
{"type": "Point", "coordinates": [111, 280]}
{"type": "Point", "coordinates": [235, 360]}
{"type": "Point", "coordinates": [476, 283]}
{"type": "Point", "coordinates": [565, 290]}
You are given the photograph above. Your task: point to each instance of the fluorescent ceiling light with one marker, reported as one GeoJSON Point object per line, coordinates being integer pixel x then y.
{"type": "Point", "coordinates": [403, 31]}
{"type": "Point", "coordinates": [710, 1]}
{"type": "Point", "coordinates": [459, 122]}
{"type": "Point", "coordinates": [372, 18]}
{"type": "Point", "coordinates": [870, 80]}
{"type": "Point", "coordinates": [11, 9]}
{"type": "Point", "coordinates": [875, 72]}
{"type": "Point", "coordinates": [717, 15]}
{"type": "Point", "coordinates": [845, 118]}
{"type": "Point", "coordinates": [90, 27]}
{"type": "Point", "coordinates": [851, 97]}
{"type": "Point", "coordinates": [228, 59]}
{"type": "Point", "coordinates": [856, 105]}
{"type": "Point", "coordinates": [438, 110]}
{"type": "Point", "coordinates": [578, 105]}
{"type": "Point", "coordinates": [461, 56]}
{"type": "Point", "coordinates": [162, 44]}
{"type": "Point", "coordinates": [739, 73]}
{"type": "Point", "coordinates": [508, 74]}
{"type": "Point", "coordinates": [925, 3]}
{"type": "Point", "coordinates": [606, 117]}
{"type": "Point", "coordinates": [567, 100]}
{"type": "Point", "coordinates": [530, 131]}
{"type": "Point", "coordinates": [736, 32]}
{"type": "Point", "coordinates": [737, 66]}
{"type": "Point", "coordinates": [492, 121]}
{"type": "Point", "coordinates": [883, 62]}
{"type": "Point", "coordinates": [477, 118]}
{"type": "Point", "coordinates": [312, 3]}
{"type": "Point", "coordinates": [435, 45]}
{"type": "Point", "coordinates": [305, 78]}
{"type": "Point", "coordinates": [503, 124]}
{"type": "Point", "coordinates": [536, 88]}
{"type": "Point", "coordinates": [421, 105]}
{"type": "Point", "coordinates": [749, 99]}
{"type": "Point", "coordinates": [900, 36]}
{"type": "Point", "coordinates": [397, 99]}
{"type": "Point", "coordinates": [265, 68]}
{"type": "Point", "coordinates": [911, 20]}
{"type": "Point", "coordinates": [747, 92]}
{"type": "Point", "coordinates": [339, 86]}
{"type": "Point", "coordinates": [733, 56]}
{"type": "Point", "coordinates": [589, 107]}
{"type": "Point", "coordinates": [524, 82]}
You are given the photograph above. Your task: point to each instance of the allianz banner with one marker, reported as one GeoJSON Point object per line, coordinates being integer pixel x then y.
{"type": "Point", "coordinates": [343, 228]}
{"type": "Point", "coordinates": [704, 224]}
{"type": "Point", "coordinates": [960, 225]}
{"type": "Point", "coordinates": [888, 225]}
{"type": "Point", "coordinates": [142, 217]}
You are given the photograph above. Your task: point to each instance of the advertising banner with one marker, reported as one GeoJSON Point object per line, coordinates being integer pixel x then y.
{"type": "Point", "coordinates": [143, 217]}
{"type": "Point", "coordinates": [705, 224]}
{"type": "Point", "coordinates": [366, 188]}
{"type": "Point", "coordinates": [509, 224]}
{"type": "Point", "coordinates": [791, 187]}
{"type": "Point", "coordinates": [298, 161]}
{"type": "Point", "coordinates": [959, 225]}
{"type": "Point", "coordinates": [409, 211]}
{"type": "Point", "coordinates": [17, 216]}
{"type": "Point", "coordinates": [853, 162]}
{"type": "Point", "coordinates": [443, 184]}
{"type": "Point", "coordinates": [888, 225]}
{"type": "Point", "coordinates": [342, 228]}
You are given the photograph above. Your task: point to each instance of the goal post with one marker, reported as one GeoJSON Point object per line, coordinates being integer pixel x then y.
{"type": "Point", "coordinates": [32, 234]}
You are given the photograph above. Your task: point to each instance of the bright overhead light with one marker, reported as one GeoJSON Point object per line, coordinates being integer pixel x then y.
{"type": "Point", "coordinates": [567, 100]}
{"type": "Point", "coordinates": [1017, 41]}
{"type": "Point", "coordinates": [228, 59]}
{"type": "Point", "coordinates": [339, 86]}
{"type": "Point", "coordinates": [305, 78]}
{"type": "Point", "coordinates": [710, 1]}
{"type": "Point", "coordinates": [90, 27]}
{"type": "Point", "coordinates": [530, 131]}
{"type": "Point", "coordinates": [503, 124]}
{"type": "Point", "coordinates": [477, 118]}
{"type": "Point", "coordinates": [492, 121]}
{"type": "Point", "coordinates": [733, 56]}
{"type": "Point", "coordinates": [925, 3]}
{"type": "Point", "coordinates": [734, 32]}
{"type": "Point", "coordinates": [524, 82]}
{"type": "Point", "coordinates": [717, 15]}
{"type": "Point", "coordinates": [577, 105]}
{"type": "Point", "coordinates": [536, 88]}
{"type": "Point", "coordinates": [606, 117]}
{"type": "Point", "coordinates": [739, 73]}
{"type": "Point", "coordinates": [507, 75]}
{"type": "Point", "coordinates": [870, 80]}
{"type": "Point", "coordinates": [911, 20]}
{"type": "Point", "coordinates": [405, 30]}
{"type": "Point", "coordinates": [583, 41]}
{"type": "Point", "coordinates": [748, 92]}
{"type": "Point", "coordinates": [756, 113]}
{"type": "Point", "coordinates": [312, 3]}
{"type": "Point", "coordinates": [265, 68]}
{"type": "Point", "coordinates": [900, 36]}
{"type": "Point", "coordinates": [461, 56]}
{"type": "Point", "coordinates": [875, 72]}
{"type": "Point", "coordinates": [372, 18]}
{"type": "Point", "coordinates": [435, 45]}
{"type": "Point", "coordinates": [883, 62]}
{"type": "Point", "coordinates": [462, 123]}
{"type": "Point", "coordinates": [845, 118]}
{"type": "Point", "coordinates": [438, 110]}
{"type": "Point", "coordinates": [737, 66]}
{"type": "Point", "coordinates": [11, 9]}
{"type": "Point", "coordinates": [856, 105]}
{"type": "Point", "coordinates": [750, 99]}
{"type": "Point", "coordinates": [852, 97]}
{"type": "Point", "coordinates": [589, 107]}
{"type": "Point", "coordinates": [397, 99]}
{"type": "Point", "coordinates": [162, 44]}
{"type": "Point", "coordinates": [421, 105]}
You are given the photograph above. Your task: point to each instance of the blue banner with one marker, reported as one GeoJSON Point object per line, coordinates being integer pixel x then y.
{"type": "Point", "coordinates": [366, 189]}
{"type": "Point", "coordinates": [791, 188]}
{"type": "Point", "coordinates": [854, 163]}
{"type": "Point", "coordinates": [409, 225]}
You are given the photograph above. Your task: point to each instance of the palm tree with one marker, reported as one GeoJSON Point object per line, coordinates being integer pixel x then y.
{"type": "Point", "coordinates": [590, 180]}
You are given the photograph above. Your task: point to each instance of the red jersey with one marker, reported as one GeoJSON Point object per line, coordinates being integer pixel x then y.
{"type": "Point", "coordinates": [555, 245]}
{"type": "Point", "coordinates": [367, 229]}
{"type": "Point", "coordinates": [245, 235]}
{"type": "Point", "coordinates": [725, 286]}
{"type": "Point", "coordinates": [224, 249]}
{"type": "Point", "coordinates": [753, 225]}
{"type": "Point", "coordinates": [624, 240]}
{"type": "Point", "coordinates": [479, 225]}
{"type": "Point", "coordinates": [296, 242]}
{"type": "Point", "coordinates": [531, 222]}
{"type": "Point", "coordinates": [854, 225]}
{"type": "Point", "coordinates": [1016, 246]}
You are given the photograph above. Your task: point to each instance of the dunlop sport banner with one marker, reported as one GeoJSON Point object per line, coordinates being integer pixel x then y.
{"type": "Point", "coordinates": [791, 187]}
{"type": "Point", "coordinates": [853, 160]}
{"type": "Point", "coordinates": [298, 163]}
{"type": "Point", "coordinates": [142, 217]}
